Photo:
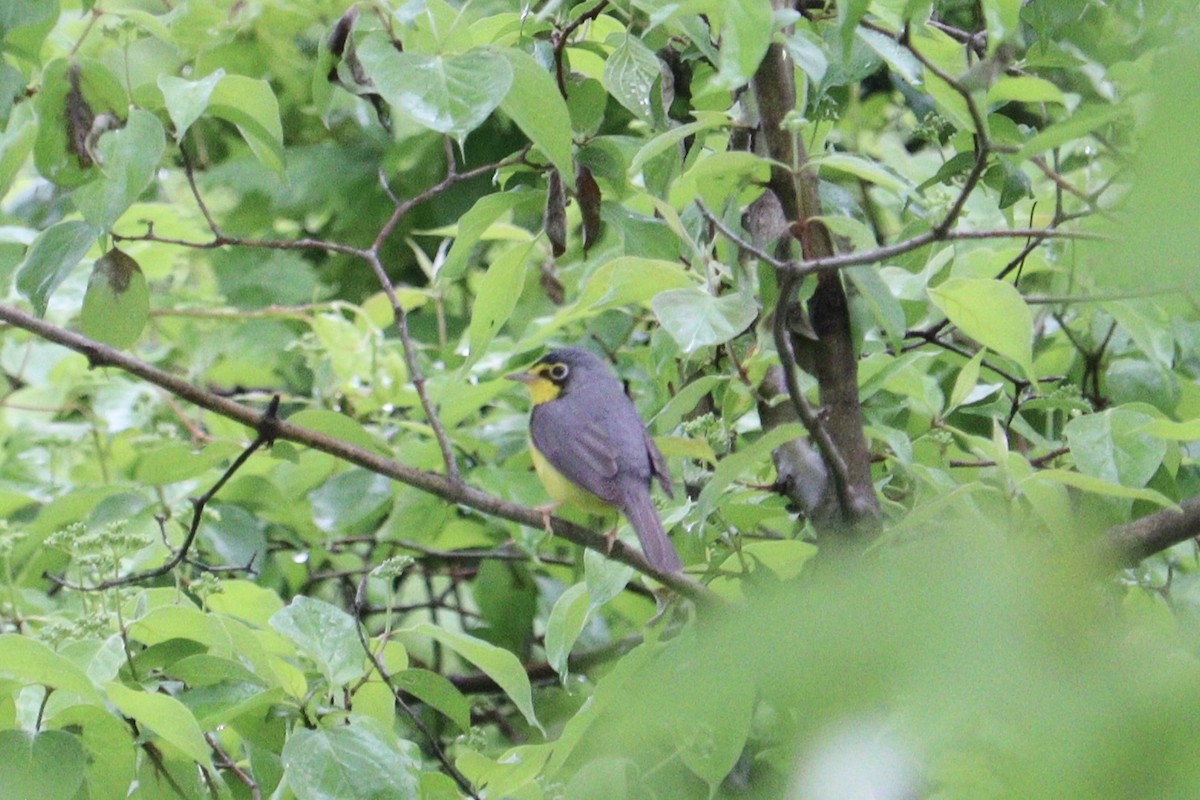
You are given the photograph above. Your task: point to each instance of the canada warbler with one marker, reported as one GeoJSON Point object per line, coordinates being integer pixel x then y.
{"type": "Point", "coordinates": [591, 449]}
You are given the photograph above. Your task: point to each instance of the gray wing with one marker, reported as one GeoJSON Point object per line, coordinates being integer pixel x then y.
{"type": "Point", "coordinates": [658, 465]}
{"type": "Point", "coordinates": [580, 450]}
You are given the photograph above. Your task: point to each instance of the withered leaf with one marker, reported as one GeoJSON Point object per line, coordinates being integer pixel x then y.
{"type": "Point", "coordinates": [554, 222]}
{"type": "Point", "coordinates": [588, 192]}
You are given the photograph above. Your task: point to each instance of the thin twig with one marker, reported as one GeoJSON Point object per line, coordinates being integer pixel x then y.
{"type": "Point", "coordinates": [225, 761]}
{"type": "Point", "coordinates": [733, 236]}
{"type": "Point", "coordinates": [843, 260]}
{"type": "Point", "coordinates": [266, 435]}
{"type": "Point", "coordinates": [414, 717]}
{"type": "Point", "coordinates": [787, 359]}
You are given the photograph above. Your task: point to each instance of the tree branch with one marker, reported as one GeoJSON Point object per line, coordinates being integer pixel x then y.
{"type": "Point", "coordinates": [434, 483]}
{"type": "Point", "coordinates": [1128, 544]}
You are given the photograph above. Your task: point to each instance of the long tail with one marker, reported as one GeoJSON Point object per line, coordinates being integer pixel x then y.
{"type": "Point", "coordinates": [643, 516]}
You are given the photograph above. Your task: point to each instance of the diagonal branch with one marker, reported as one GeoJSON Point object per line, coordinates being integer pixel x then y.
{"type": "Point", "coordinates": [1130, 543]}
{"type": "Point", "coordinates": [434, 483]}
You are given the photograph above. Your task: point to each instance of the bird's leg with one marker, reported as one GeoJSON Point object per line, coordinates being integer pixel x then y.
{"type": "Point", "coordinates": [546, 510]}
{"type": "Point", "coordinates": [610, 539]}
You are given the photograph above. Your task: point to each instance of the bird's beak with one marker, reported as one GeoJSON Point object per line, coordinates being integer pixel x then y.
{"type": "Point", "coordinates": [522, 377]}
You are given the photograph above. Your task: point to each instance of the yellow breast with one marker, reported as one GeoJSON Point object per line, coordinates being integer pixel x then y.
{"type": "Point", "coordinates": [560, 488]}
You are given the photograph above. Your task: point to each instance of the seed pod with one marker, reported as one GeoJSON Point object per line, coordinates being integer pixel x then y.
{"type": "Point", "coordinates": [554, 222]}
{"type": "Point", "coordinates": [588, 192]}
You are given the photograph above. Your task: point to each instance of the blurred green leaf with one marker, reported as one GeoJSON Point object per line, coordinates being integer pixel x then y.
{"type": "Point", "coordinates": [188, 100]}
{"type": "Point", "coordinates": [448, 94]}
{"type": "Point", "coordinates": [250, 104]}
{"type": "Point", "coordinates": [534, 103]}
{"type": "Point", "coordinates": [566, 621]}
{"type": "Point", "coordinates": [991, 312]}
{"type": "Point", "coordinates": [696, 319]}
{"type": "Point", "coordinates": [745, 33]}
{"type": "Point", "coordinates": [438, 692]}
{"type": "Point", "coordinates": [361, 758]}
{"type": "Point", "coordinates": [56, 252]}
{"type": "Point", "coordinates": [164, 716]}
{"type": "Point", "coordinates": [1112, 446]}
{"type": "Point", "coordinates": [500, 665]}
{"type": "Point", "coordinates": [498, 293]}
{"type": "Point", "coordinates": [630, 75]}
{"type": "Point", "coordinates": [327, 635]}
{"type": "Point", "coordinates": [117, 303]}
{"type": "Point", "coordinates": [128, 159]}
{"type": "Point", "coordinates": [32, 662]}
{"type": "Point", "coordinates": [47, 764]}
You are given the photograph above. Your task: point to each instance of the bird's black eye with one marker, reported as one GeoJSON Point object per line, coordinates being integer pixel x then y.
{"type": "Point", "coordinates": [559, 371]}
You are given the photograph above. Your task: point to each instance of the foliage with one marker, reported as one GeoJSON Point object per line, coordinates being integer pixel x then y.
{"type": "Point", "coordinates": [373, 213]}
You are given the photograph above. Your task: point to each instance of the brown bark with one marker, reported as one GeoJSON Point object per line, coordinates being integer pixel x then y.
{"type": "Point", "coordinates": [1129, 544]}
{"type": "Point", "coordinates": [831, 356]}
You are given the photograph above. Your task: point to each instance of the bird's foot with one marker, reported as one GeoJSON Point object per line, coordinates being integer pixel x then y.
{"type": "Point", "coordinates": [546, 511]}
{"type": "Point", "coordinates": [610, 539]}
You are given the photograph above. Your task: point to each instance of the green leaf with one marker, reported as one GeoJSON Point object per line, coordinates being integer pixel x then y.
{"type": "Point", "coordinates": [696, 319]}
{"type": "Point", "coordinates": [806, 50]}
{"type": "Point", "coordinates": [360, 759]}
{"type": "Point", "coordinates": [16, 142]}
{"type": "Point", "coordinates": [25, 23]}
{"type": "Point", "coordinates": [500, 665]}
{"type": "Point", "coordinates": [110, 747]}
{"type": "Point", "coordinates": [177, 461]}
{"type": "Point", "coordinates": [719, 177]}
{"type": "Point", "coordinates": [1175, 431]}
{"type": "Point", "coordinates": [246, 600]}
{"type": "Point", "coordinates": [992, 313]}
{"type": "Point", "coordinates": [849, 14]}
{"type": "Point", "coordinates": [604, 577]}
{"type": "Point", "coordinates": [188, 100]}
{"type": "Point", "coordinates": [1002, 18]}
{"type": "Point", "coordinates": [448, 94]}
{"type": "Point", "coordinates": [497, 296]}
{"type": "Point", "coordinates": [128, 159]}
{"type": "Point", "coordinates": [1078, 125]}
{"type": "Point", "coordinates": [472, 225]}
{"type": "Point", "coordinates": [616, 283]}
{"type": "Point", "coordinates": [339, 426]}
{"type": "Point", "coordinates": [705, 120]}
{"type": "Point", "coordinates": [745, 35]}
{"type": "Point", "coordinates": [117, 303]}
{"type": "Point", "coordinates": [885, 306]}
{"type": "Point", "coordinates": [1115, 446]}
{"type": "Point", "coordinates": [901, 60]}
{"type": "Point", "coordinates": [32, 662]}
{"type": "Point", "coordinates": [965, 382]}
{"type": "Point", "coordinates": [870, 171]}
{"type": "Point", "coordinates": [1090, 483]}
{"type": "Point", "coordinates": [50, 260]}
{"type": "Point", "coordinates": [48, 765]}
{"type": "Point", "coordinates": [326, 634]}
{"type": "Point", "coordinates": [737, 464]}
{"type": "Point", "coordinates": [170, 623]}
{"type": "Point", "coordinates": [536, 105]}
{"type": "Point", "coordinates": [66, 118]}
{"type": "Point", "coordinates": [437, 692]}
{"type": "Point", "coordinates": [567, 618]}
{"type": "Point", "coordinates": [1024, 89]}
{"type": "Point", "coordinates": [250, 104]}
{"type": "Point", "coordinates": [204, 669]}
{"type": "Point", "coordinates": [630, 75]}
{"type": "Point", "coordinates": [351, 501]}
{"type": "Point", "coordinates": [166, 717]}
